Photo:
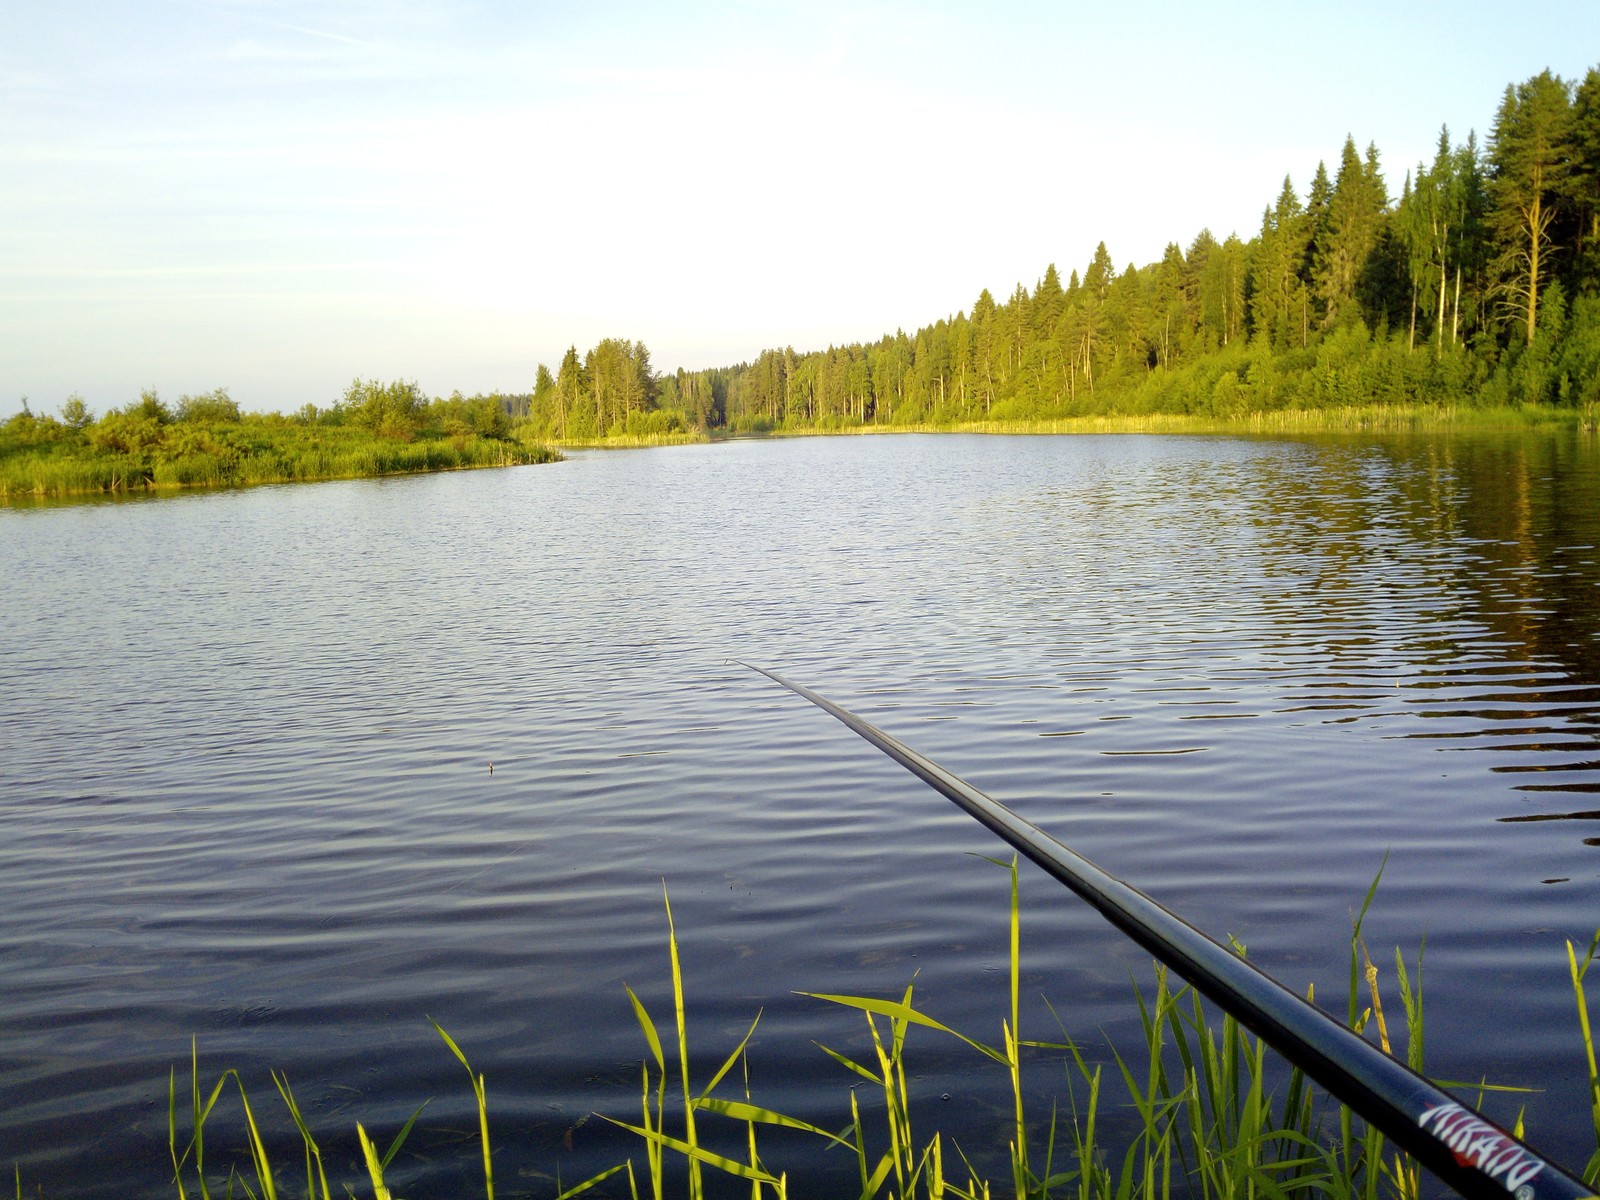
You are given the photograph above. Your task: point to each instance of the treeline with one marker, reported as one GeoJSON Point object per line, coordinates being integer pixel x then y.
{"type": "Point", "coordinates": [613, 393]}
{"type": "Point", "coordinates": [206, 441]}
{"type": "Point", "coordinates": [1479, 284]}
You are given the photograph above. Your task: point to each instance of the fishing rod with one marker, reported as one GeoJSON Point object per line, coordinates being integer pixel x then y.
{"type": "Point", "coordinates": [1466, 1151]}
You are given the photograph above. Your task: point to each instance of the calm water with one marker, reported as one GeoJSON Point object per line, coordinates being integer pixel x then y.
{"type": "Point", "coordinates": [245, 792]}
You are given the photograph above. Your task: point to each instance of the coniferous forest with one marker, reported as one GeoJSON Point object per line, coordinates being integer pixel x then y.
{"type": "Point", "coordinates": [1478, 284]}
{"type": "Point", "coordinates": [1477, 287]}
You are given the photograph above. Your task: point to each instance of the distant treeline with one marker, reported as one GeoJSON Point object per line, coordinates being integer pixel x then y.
{"type": "Point", "coordinates": [206, 441]}
{"type": "Point", "coordinates": [1480, 284]}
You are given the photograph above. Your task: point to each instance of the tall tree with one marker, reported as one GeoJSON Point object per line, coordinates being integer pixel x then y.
{"type": "Point", "coordinates": [1096, 288]}
{"type": "Point", "coordinates": [1583, 182]}
{"type": "Point", "coordinates": [1277, 293]}
{"type": "Point", "coordinates": [1317, 201]}
{"type": "Point", "coordinates": [1167, 316]}
{"type": "Point", "coordinates": [1347, 238]}
{"type": "Point", "coordinates": [1435, 221]}
{"type": "Point", "coordinates": [983, 346]}
{"type": "Point", "coordinates": [1529, 165]}
{"type": "Point", "coordinates": [572, 387]}
{"type": "Point", "coordinates": [1048, 299]}
{"type": "Point", "coordinates": [544, 405]}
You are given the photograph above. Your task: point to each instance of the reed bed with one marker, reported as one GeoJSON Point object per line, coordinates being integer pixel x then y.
{"type": "Point", "coordinates": [262, 453]}
{"type": "Point", "coordinates": [334, 454]}
{"type": "Point", "coordinates": [1209, 1121]}
{"type": "Point", "coordinates": [1350, 418]}
{"type": "Point", "coordinates": [634, 441]}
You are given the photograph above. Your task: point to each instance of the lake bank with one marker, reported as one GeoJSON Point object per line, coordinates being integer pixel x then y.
{"type": "Point", "coordinates": [206, 442]}
{"type": "Point", "coordinates": [1346, 419]}
{"type": "Point", "coordinates": [287, 453]}
{"type": "Point", "coordinates": [57, 475]}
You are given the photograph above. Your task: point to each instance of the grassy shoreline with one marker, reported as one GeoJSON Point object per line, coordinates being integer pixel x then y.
{"type": "Point", "coordinates": [36, 477]}
{"type": "Point", "coordinates": [1345, 419]}
{"type": "Point", "coordinates": [69, 471]}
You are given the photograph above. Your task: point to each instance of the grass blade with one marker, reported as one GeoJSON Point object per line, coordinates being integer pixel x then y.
{"type": "Point", "coordinates": [483, 1107]}
{"type": "Point", "coordinates": [741, 1111]}
{"type": "Point", "coordinates": [901, 1012]}
{"type": "Point", "coordinates": [697, 1153]}
{"type": "Point", "coordinates": [374, 1167]}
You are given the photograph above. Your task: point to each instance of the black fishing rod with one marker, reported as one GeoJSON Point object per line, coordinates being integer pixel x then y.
{"type": "Point", "coordinates": [1469, 1153]}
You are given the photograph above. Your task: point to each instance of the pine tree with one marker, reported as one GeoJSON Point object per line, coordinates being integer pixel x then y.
{"type": "Point", "coordinates": [1529, 169]}
{"type": "Point", "coordinates": [1583, 183]}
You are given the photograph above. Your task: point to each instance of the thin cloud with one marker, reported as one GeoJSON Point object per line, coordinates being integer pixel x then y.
{"type": "Point", "coordinates": [325, 34]}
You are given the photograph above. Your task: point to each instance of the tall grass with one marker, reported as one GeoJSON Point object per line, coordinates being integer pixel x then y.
{"type": "Point", "coordinates": [1215, 1114]}
{"type": "Point", "coordinates": [624, 441]}
{"type": "Point", "coordinates": [1344, 418]}
{"type": "Point", "coordinates": [288, 454]}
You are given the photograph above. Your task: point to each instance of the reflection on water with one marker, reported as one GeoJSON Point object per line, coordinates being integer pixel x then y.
{"type": "Point", "coordinates": [245, 791]}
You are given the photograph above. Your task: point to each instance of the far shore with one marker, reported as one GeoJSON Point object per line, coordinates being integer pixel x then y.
{"type": "Point", "coordinates": [71, 479]}
{"type": "Point", "coordinates": [1351, 419]}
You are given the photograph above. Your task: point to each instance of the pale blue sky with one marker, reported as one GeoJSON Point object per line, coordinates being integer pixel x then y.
{"type": "Point", "coordinates": [276, 197]}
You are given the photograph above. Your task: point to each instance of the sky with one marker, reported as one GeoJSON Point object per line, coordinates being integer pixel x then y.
{"type": "Point", "coordinates": [279, 196]}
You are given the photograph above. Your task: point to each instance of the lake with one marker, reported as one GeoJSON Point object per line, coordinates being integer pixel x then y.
{"type": "Point", "coordinates": [246, 795]}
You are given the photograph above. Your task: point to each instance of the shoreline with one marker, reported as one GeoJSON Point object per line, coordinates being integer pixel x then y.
{"type": "Point", "coordinates": [1347, 419]}
{"type": "Point", "coordinates": [1353, 419]}
{"type": "Point", "coordinates": [90, 479]}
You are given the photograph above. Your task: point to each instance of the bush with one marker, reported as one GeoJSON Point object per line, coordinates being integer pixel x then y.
{"type": "Point", "coordinates": [214, 407]}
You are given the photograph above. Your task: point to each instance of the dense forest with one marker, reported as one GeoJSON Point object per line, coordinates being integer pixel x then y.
{"type": "Point", "coordinates": [1479, 284]}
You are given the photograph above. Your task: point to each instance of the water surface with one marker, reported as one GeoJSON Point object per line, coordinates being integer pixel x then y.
{"type": "Point", "coordinates": [246, 797]}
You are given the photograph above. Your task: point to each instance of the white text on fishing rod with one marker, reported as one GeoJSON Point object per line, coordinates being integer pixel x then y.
{"type": "Point", "coordinates": [1476, 1143]}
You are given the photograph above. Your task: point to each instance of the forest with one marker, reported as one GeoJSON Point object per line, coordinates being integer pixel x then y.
{"type": "Point", "coordinates": [1478, 285]}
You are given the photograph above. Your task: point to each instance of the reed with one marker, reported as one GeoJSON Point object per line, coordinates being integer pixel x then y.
{"type": "Point", "coordinates": [1215, 1114]}
{"type": "Point", "coordinates": [286, 453]}
{"type": "Point", "coordinates": [1208, 1118]}
{"type": "Point", "coordinates": [634, 441]}
{"type": "Point", "coordinates": [1345, 418]}
{"type": "Point", "coordinates": [1591, 1170]}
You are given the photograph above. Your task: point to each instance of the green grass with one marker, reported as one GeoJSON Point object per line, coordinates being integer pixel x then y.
{"type": "Point", "coordinates": [1208, 1120]}
{"type": "Point", "coordinates": [627, 441]}
{"type": "Point", "coordinates": [1338, 419]}
{"type": "Point", "coordinates": [266, 450]}
{"type": "Point", "coordinates": [259, 454]}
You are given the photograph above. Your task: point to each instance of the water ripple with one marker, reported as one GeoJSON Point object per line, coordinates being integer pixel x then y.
{"type": "Point", "coordinates": [245, 791]}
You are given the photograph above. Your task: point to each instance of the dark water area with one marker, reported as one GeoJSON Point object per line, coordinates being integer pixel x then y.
{"type": "Point", "coordinates": [245, 794]}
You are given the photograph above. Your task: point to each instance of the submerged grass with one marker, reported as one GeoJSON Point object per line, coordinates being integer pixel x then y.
{"type": "Point", "coordinates": [1214, 1115]}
